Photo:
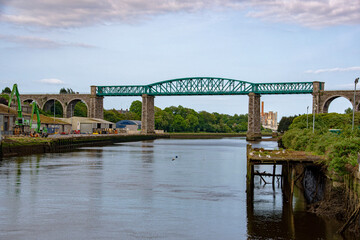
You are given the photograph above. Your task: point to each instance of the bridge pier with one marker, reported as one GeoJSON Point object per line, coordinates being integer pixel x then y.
{"type": "Point", "coordinates": [254, 121]}
{"type": "Point", "coordinates": [96, 108]}
{"type": "Point", "coordinates": [318, 89]}
{"type": "Point", "coordinates": [148, 114]}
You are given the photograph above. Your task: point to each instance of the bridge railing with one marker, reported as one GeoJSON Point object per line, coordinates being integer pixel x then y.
{"type": "Point", "coordinates": [136, 90]}
{"type": "Point", "coordinates": [283, 88]}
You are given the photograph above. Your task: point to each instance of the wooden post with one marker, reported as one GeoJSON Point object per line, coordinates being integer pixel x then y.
{"type": "Point", "coordinates": [249, 176]}
{"type": "Point", "coordinates": [273, 180]}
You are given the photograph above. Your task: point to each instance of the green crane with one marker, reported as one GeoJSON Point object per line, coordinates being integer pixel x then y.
{"type": "Point", "coordinates": [36, 110]}
{"type": "Point", "coordinates": [16, 92]}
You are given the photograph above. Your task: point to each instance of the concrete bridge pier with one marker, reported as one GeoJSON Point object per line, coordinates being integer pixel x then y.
{"type": "Point", "coordinates": [148, 114]}
{"type": "Point", "coordinates": [254, 121]}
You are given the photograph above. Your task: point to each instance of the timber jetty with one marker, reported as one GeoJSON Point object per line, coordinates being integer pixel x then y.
{"type": "Point", "coordinates": [288, 160]}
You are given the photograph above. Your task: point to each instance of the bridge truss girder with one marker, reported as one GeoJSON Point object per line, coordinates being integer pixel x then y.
{"type": "Point", "coordinates": [205, 86]}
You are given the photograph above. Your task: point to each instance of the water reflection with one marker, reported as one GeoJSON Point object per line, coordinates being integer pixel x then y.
{"type": "Point", "coordinates": [137, 191]}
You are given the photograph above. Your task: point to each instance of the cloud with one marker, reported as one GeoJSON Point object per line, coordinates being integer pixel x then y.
{"type": "Point", "coordinates": [311, 13]}
{"type": "Point", "coordinates": [333, 70]}
{"type": "Point", "coordinates": [51, 81]}
{"type": "Point", "coordinates": [78, 13]}
{"type": "Point", "coordinates": [37, 42]}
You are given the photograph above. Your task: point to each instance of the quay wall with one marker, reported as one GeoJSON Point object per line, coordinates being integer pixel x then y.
{"type": "Point", "coordinates": [10, 148]}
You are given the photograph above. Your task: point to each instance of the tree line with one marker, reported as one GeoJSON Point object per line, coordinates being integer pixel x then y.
{"type": "Point", "coordinates": [181, 119]}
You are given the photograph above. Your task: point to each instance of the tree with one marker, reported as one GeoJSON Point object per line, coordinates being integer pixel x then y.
{"type": "Point", "coordinates": [6, 90]}
{"type": "Point", "coordinates": [80, 109]}
{"type": "Point", "coordinates": [178, 125]}
{"type": "Point", "coordinates": [192, 122]}
{"type": "Point", "coordinates": [348, 111]}
{"type": "Point", "coordinates": [285, 123]}
{"type": "Point", "coordinates": [136, 107]}
{"type": "Point", "coordinates": [66, 91]}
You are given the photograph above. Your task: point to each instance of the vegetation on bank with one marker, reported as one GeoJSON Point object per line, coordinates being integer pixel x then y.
{"type": "Point", "coordinates": [340, 148]}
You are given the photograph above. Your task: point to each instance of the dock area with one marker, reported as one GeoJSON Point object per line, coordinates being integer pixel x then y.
{"type": "Point", "coordinates": [288, 160]}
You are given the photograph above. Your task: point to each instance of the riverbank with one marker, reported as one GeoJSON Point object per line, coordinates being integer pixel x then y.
{"type": "Point", "coordinates": [20, 146]}
{"type": "Point", "coordinates": [328, 194]}
{"type": "Point", "coordinates": [341, 200]}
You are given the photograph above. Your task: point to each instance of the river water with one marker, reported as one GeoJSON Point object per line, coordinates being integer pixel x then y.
{"type": "Point", "coordinates": [162, 189]}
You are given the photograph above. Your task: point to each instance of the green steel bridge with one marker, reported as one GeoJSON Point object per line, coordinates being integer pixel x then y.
{"type": "Point", "coordinates": [206, 86]}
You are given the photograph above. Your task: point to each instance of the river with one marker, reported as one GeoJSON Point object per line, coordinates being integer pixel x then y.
{"type": "Point", "coordinates": [162, 189]}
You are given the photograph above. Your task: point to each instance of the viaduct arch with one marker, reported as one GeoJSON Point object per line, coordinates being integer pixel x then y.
{"type": "Point", "coordinates": [322, 99]}
{"type": "Point", "coordinates": [93, 102]}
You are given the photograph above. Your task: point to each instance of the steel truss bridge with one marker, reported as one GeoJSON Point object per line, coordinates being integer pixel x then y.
{"type": "Point", "coordinates": [206, 86]}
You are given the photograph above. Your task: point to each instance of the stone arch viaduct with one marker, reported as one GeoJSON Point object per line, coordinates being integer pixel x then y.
{"type": "Point", "coordinates": [322, 99]}
{"type": "Point", "coordinates": [93, 102]}
{"type": "Point", "coordinates": [195, 86]}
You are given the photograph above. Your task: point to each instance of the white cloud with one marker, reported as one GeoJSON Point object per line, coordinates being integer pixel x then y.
{"type": "Point", "coordinates": [52, 81]}
{"type": "Point", "coordinates": [76, 13]}
{"type": "Point", "coordinates": [37, 42]}
{"type": "Point", "coordinates": [333, 70]}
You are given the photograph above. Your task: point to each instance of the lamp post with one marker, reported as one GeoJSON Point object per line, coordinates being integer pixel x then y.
{"type": "Point", "coordinates": [314, 110]}
{"type": "Point", "coordinates": [354, 103]}
{"type": "Point", "coordinates": [307, 117]}
{"type": "Point", "coordinates": [54, 110]}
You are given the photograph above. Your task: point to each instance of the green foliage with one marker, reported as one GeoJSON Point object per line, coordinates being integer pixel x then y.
{"type": "Point", "coordinates": [181, 119]}
{"type": "Point", "coordinates": [114, 116]}
{"type": "Point", "coordinates": [340, 150]}
{"type": "Point", "coordinates": [6, 90]}
{"type": "Point", "coordinates": [66, 91]}
{"type": "Point", "coordinates": [285, 122]}
{"type": "Point", "coordinates": [80, 109]}
{"type": "Point", "coordinates": [136, 107]}
{"type": "Point", "coordinates": [348, 111]}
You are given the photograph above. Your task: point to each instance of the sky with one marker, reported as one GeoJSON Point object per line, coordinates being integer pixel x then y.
{"type": "Point", "coordinates": [46, 45]}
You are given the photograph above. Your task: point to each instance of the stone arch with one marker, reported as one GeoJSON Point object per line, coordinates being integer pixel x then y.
{"type": "Point", "coordinates": [71, 106]}
{"type": "Point", "coordinates": [328, 101]}
{"type": "Point", "coordinates": [28, 101]}
{"type": "Point", "coordinates": [50, 102]}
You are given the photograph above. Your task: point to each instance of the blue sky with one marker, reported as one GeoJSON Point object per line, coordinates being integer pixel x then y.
{"type": "Point", "coordinates": [47, 45]}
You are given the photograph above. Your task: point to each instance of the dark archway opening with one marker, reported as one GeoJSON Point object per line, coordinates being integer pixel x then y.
{"type": "Point", "coordinates": [53, 108]}
{"type": "Point", "coordinates": [77, 108]}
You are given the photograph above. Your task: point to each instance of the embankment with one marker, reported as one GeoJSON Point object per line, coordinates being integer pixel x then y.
{"type": "Point", "coordinates": [19, 146]}
{"type": "Point", "coordinates": [333, 196]}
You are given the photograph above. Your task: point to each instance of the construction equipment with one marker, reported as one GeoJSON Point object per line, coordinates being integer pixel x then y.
{"type": "Point", "coordinates": [20, 122]}
{"type": "Point", "coordinates": [36, 110]}
{"type": "Point", "coordinates": [38, 131]}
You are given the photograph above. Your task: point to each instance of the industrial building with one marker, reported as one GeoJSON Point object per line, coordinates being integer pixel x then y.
{"type": "Point", "coordinates": [268, 119]}
{"type": "Point", "coordinates": [90, 125]}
